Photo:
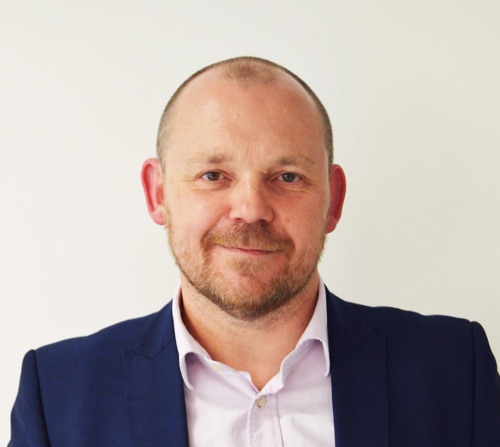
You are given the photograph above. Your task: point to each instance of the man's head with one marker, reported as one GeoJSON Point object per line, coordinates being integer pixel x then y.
{"type": "Point", "coordinates": [247, 71]}
{"type": "Point", "coordinates": [245, 186]}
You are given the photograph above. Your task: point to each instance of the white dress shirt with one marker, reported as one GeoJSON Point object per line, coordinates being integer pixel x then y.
{"type": "Point", "coordinates": [225, 409]}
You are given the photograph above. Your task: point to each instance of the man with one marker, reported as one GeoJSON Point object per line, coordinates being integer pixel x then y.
{"type": "Point", "coordinates": [254, 350]}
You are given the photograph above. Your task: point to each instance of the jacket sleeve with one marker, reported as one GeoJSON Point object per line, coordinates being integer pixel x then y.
{"type": "Point", "coordinates": [28, 428]}
{"type": "Point", "coordinates": [486, 428]}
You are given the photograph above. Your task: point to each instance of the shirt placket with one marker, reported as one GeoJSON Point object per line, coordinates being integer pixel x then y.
{"type": "Point", "coordinates": [264, 428]}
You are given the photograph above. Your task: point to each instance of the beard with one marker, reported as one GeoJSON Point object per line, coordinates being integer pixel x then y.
{"type": "Point", "coordinates": [252, 294]}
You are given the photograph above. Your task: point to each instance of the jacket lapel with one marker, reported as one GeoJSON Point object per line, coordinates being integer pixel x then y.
{"type": "Point", "coordinates": [359, 382]}
{"type": "Point", "coordinates": [155, 388]}
{"type": "Point", "coordinates": [359, 378]}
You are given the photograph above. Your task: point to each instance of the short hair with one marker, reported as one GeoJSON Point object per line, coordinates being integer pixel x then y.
{"type": "Point", "coordinates": [246, 70]}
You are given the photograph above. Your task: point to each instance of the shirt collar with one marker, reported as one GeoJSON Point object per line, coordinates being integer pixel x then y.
{"type": "Point", "coordinates": [186, 343]}
{"type": "Point", "coordinates": [316, 330]}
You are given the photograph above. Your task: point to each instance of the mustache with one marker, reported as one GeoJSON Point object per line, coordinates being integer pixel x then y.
{"type": "Point", "coordinates": [258, 236]}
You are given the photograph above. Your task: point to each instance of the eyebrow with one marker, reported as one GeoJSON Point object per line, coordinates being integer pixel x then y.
{"type": "Point", "coordinates": [204, 158]}
{"type": "Point", "coordinates": [218, 158]}
{"type": "Point", "coordinates": [295, 161]}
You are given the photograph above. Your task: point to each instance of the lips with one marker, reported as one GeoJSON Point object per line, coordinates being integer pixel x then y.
{"type": "Point", "coordinates": [256, 250]}
{"type": "Point", "coordinates": [251, 238]}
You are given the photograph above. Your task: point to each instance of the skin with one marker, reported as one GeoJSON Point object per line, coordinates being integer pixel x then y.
{"type": "Point", "coordinates": [247, 198]}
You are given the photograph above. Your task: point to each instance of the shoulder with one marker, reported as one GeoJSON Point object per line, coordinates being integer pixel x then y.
{"type": "Point", "coordinates": [407, 334]}
{"type": "Point", "coordinates": [391, 320]}
{"type": "Point", "coordinates": [431, 361]}
{"type": "Point", "coordinates": [141, 334]}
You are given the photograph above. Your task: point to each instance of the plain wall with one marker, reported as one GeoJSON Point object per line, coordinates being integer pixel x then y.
{"type": "Point", "coordinates": [413, 92]}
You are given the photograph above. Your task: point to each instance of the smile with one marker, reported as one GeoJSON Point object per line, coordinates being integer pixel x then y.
{"type": "Point", "coordinates": [249, 250]}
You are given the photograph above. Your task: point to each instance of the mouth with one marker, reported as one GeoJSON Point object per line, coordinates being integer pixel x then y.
{"type": "Point", "coordinates": [249, 250]}
{"type": "Point", "coordinates": [249, 240]}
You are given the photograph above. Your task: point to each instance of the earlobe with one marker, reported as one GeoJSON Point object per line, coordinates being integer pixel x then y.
{"type": "Point", "coordinates": [152, 184]}
{"type": "Point", "coordinates": [337, 195]}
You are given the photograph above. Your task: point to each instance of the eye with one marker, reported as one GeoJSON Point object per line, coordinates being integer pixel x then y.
{"type": "Point", "coordinates": [289, 177]}
{"type": "Point", "coordinates": [211, 176]}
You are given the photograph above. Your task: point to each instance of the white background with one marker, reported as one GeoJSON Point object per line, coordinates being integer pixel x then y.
{"type": "Point", "coordinates": [413, 90]}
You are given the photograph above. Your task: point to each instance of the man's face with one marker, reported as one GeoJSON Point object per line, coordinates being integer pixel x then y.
{"type": "Point", "coordinates": [246, 190]}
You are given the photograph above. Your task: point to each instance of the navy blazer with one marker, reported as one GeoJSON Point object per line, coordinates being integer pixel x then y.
{"type": "Point", "coordinates": [399, 379]}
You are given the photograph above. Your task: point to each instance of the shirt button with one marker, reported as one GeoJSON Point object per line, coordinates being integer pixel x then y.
{"type": "Point", "coordinates": [261, 401]}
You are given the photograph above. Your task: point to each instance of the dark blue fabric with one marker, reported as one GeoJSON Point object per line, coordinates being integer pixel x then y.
{"type": "Point", "coordinates": [399, 379]}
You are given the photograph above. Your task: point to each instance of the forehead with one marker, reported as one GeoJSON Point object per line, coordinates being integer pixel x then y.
{"type": "Point", "coordinates": [215, 108]}
{"type": "Point", "coordinates": [277, 90]}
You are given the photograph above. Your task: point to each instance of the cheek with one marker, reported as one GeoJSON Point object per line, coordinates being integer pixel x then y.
{"type": "Point", "coordinates": [307, 225]}
{"type": "Point", "coordinates": [302, 215]}
{"type": "Point", "coordinates": [192, 215]}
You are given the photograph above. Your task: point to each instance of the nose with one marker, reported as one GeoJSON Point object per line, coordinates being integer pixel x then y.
{"type": "Point", "coordinates": [250, 202]}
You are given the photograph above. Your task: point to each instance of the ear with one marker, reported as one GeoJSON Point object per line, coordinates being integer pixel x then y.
{"type": "Point", "coordinates": [337, 195]}
{"type": "Point", "coordinates": [152, 183]}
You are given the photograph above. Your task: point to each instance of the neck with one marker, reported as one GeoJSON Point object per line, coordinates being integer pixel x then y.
{"type": "Point", "coordinates": [257, 346]}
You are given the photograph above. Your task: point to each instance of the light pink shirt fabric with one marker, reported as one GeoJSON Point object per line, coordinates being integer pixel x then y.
{"type": "Point", "coordinates": [225, 409]}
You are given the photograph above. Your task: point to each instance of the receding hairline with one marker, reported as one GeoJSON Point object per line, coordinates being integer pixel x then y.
{"type": "Point", "coordinates": [247, 71]}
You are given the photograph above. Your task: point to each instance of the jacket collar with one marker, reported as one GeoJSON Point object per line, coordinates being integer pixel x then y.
{"type": "Point", "coordinates": [155, 387]}
{"type": "Point", "coordinates": [359, 377]}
